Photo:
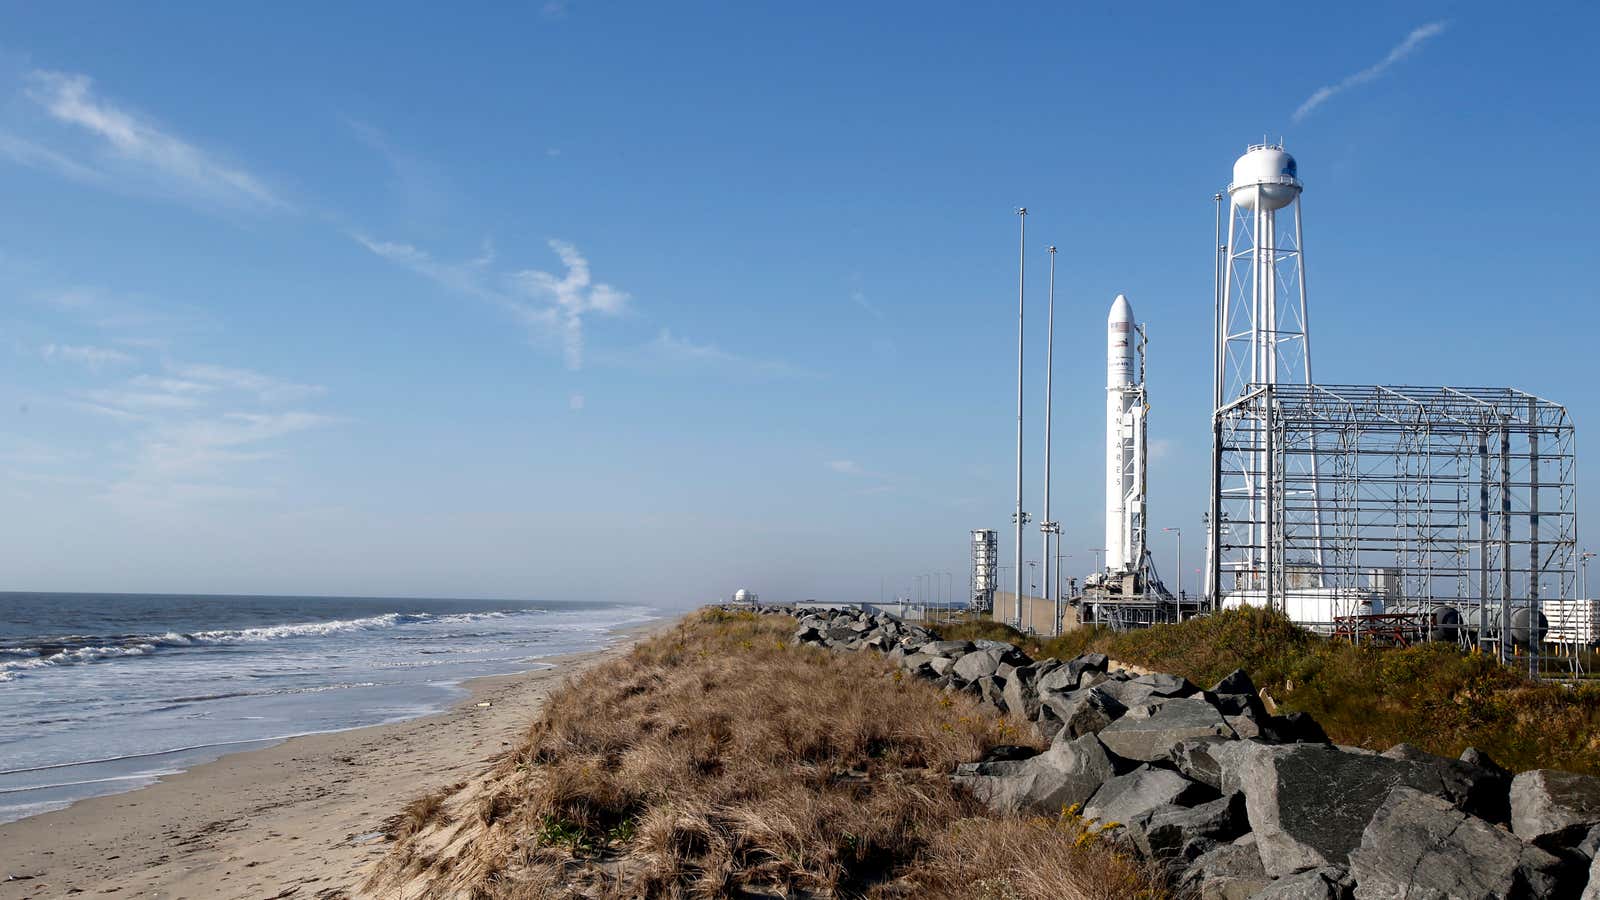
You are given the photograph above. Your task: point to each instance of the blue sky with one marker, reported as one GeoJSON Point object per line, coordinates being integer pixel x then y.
{"type": "Point", "coordinates": [653, 301]}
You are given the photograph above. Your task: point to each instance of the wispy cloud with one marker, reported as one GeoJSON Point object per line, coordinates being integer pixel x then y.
{"type": "Point", "coordinates": [266, 387]}
{"type": "Point", "coordinates": [671, 351]}
{"type": "Point", "coordinates": [92, 357]}
{"type": "Point", "coordinates": [859, 298]}
{"type": "Point", "coordinates": [1405, 48]}
{"type": "Point", "coordinates": [575, 295]}
{"type": "Point", "coordinates": [128, 145]}
{"type": "Point", "coordinates": [553, 307]}
{"type": "Point", "coordinates": [846, 467]}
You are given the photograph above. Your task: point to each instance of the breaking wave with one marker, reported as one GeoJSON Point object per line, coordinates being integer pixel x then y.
{"type": "Point", "coordinates": [81, 649]}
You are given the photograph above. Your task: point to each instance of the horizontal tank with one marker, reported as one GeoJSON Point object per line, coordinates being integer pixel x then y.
{"type": "Point", "coordinates": [1521, 616]}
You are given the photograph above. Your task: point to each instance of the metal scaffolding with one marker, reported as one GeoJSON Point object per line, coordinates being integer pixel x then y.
{"type": "Point", "coordinates": [1455, 505]}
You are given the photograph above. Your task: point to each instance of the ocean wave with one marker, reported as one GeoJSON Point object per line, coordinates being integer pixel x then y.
{"type": "Point", "coordinates": [74, 656]}
{"type": "Point", "coordinates": [78, 649]}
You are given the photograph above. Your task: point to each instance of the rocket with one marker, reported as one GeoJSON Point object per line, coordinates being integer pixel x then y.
{"type": "Point", "coordinates": [1125, 446]}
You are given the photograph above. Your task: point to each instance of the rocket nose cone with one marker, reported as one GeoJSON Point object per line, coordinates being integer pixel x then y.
{"type": "Point", "coordinates": [1121, 310]}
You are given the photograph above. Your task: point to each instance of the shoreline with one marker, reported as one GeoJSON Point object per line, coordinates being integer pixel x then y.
{"type": "Point", "coordinates": [301, 817]}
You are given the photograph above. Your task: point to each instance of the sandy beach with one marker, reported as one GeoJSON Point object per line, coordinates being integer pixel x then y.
{"type": "Point", "coordinates": [298, 819]}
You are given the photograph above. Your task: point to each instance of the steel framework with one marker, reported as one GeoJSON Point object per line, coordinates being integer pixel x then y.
{"type": "Point", "coordinates": [1338, 501]}
{"type": "Point", "coordinates": [985, 558]}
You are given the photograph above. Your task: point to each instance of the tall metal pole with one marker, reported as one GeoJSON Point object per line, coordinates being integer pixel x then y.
{"type": "Point", "coordinates": [1047, 525]}
{"type": "Point", "coordinates": [1179, 533]}
{"type": "Point", "coordinates": [1021, 517]}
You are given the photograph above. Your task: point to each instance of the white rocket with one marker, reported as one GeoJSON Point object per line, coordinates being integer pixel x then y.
{"type": "Point", "coordinates": [1125, 448]}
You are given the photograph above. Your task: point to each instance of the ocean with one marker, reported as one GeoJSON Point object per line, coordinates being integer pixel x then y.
{"type": "Point", "coordinates": [103, 693]}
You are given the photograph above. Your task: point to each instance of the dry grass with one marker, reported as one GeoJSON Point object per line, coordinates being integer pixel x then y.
{"type": "Point", "coordinates": [719, 757]}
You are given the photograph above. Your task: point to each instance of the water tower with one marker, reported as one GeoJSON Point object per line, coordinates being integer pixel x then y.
{"type": "Point", "coordinates": [1262, 337]}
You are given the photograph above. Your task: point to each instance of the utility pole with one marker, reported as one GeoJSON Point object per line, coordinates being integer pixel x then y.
{"type": "Point", "coordinates": [1020, 517]}
{"type": "Point", "coordinates": [1097, 551]}
{"type": "Point", "coordinates": [1179, 573]}
{"type": "Point", "coordinates": [1047, 526]}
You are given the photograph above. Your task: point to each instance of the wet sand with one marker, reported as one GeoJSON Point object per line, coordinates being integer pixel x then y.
{"type": "Point", "coordinates": [300, 819]}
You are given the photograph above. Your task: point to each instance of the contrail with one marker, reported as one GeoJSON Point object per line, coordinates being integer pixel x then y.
{"type": "Point", "coordinates": [1371, 73]}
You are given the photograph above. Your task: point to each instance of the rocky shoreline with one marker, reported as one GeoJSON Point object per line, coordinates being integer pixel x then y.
{"type": "Point", "coordinates": [1235, 801]}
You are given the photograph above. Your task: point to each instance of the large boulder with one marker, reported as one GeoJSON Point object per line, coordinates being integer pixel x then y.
{"type": "Point", "coordinates": [1294, 728]}
{"type": "Point", "coordinates": [1554, 809]}
{"type": "Point", "coordinates": [1164, 685]}
{"type": "Point", "coordinates": [1153, 737]}
{"type": "Point", "coordinates": [1326, 883]}
{"type": "Point", "coordinates": [1229, 872]}
{"type": "Point", "coordinates": [1591, 891]}
{"type": "Point", "coordinates": [1020, 697]}
{"type": "Point", "coordinates": [1069, 675]}
{"type": "Point", "coordinates": [1420, 846]}
{"type": "Point", "coordinates": [1477, 790]}
{"type": "Point", "coordinates": [992, 689]}
{"type": "Point", "coordinates": [1309, 803]}
{"type": "Point", "coordinates": [1178, 832]}
{"type": "Point", "coordinates": [1129, 797]}
{"type": "Point", "coordinates": [1235, 682]}
{"type": "Point", "coordinates": [977, 664]}
{"type": "Point", "coordinates": [1084, 712]}
{"type": "Point", "coordinates": [1129, 693]}
{"type": "Point", "coordinates": [946, 648]}
{"type": "Point", "coordinates": [1195, 757]}
{"type": "Point", "coordinates": [1067, 774]}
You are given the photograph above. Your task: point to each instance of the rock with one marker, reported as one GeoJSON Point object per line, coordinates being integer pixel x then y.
{"type": "Point", "coordinates": [1128, 693]}
{"type": "Point", "coordinates": [839, 633]}
{"type": "Point", "coordinates": [1084, 712]}
{"type": "Point", "coordinates": [1061, 678]}
{"type": "Point", "coordinates": [1002, 753]}
{"type": "Point", "coordinates": [1126, 798]}
{"type": "Point", "coordinates": [947, 648]}
{"type": "Point", "coordinates": [1229, 872]}
{"type": "Point", "coordinates": [1235, 682]}
{"type": "Point", "coordinates": [1167, 832]}
{"type": "Point", "coordinates": [1198, 758]}
{"type": "Point", "coordinates": [1326, 883]}
{"type": "Point", "coordinates": [1002, 646]}
{"type": "Point", "coordinates": [1152, 738]}
{"type": "Point", "coordinates": [1069, 675]}
{"type": "Point", "coordinates": [940, 665]}
{"type": "Point", "coordinates": [977, 664]}
{"type": "Point", "coordinates": [1047, 725]}
{"type": "Point", "coordinates": [1554, 809]}
{"type": "Point", "coordinates": [1477, 791]}
{"type": "Point", "coordinates": [1066, 774]}
{"type": "Point", "coordinates": [1164, 685]}
{"type": "Point", "coordinates": [992, 689]}
{"type": "Point", "coordinates": [1309, 803]}
{"type": "Point", "coordinates": [1245, 727]}
{"type": "Point", "coordinates": [1294, 728]}
{"type": "Point", "coordinates": [1420, 846]}
{"type": "Point", "coordinates": [1020, 696]}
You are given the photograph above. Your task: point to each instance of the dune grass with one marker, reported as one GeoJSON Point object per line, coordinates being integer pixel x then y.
{"type": "Point", "coordinates": [1432, 695]}
{"type": "Point", "coordinates": [720, 757]}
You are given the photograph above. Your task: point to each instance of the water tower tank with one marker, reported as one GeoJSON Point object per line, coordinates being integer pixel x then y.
{"type": "Point", "coordinates": [1271, 169]}
{"type": "Point", "coordinates": [741, 596]}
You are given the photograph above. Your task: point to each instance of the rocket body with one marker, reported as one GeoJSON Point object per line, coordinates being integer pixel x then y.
{"type": "Point", "coordinates": [1124, 442]}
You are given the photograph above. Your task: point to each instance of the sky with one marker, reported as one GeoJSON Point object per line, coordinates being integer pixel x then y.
{"type": "Point", "coordinates": [584, 300]}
